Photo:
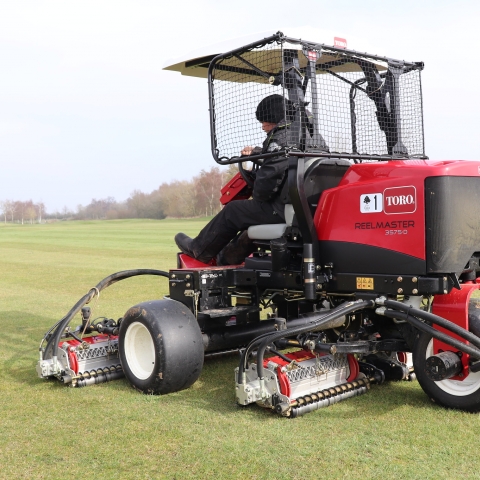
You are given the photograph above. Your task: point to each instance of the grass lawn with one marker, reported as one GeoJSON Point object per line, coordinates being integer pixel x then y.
{"type": "Point", "coordinates": [111, 431]}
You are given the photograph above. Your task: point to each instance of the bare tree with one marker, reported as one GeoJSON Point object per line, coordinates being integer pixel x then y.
{"type": "Point", "coordinates": [20, 208]}
{"type": "Point", "coordinates": [177, 198]}
{"type": "Point", "coordinates": [31, 213]}
{"type": "Point", "coordinates": [209, 184]}
{"type": "Point", "coordinates": [4, 206]}
{"type": "Point", "coordinates": [146, 205]}
{"type": "Point", "coordinates": [41, 210]}
{"type": "Point", "coordinates": [11, 208]}
{"type": "Point", "coordinates": [137, 203]}
{"type": "Point", "coordinates": [23, 210]}
{"type": "Point", "coordinates": [80, 211]}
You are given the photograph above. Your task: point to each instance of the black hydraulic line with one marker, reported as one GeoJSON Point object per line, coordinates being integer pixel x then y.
{"type": "Point", "coordinates": [431, 317]}
{"type": "Point", "coordinates": [78, 339]}
{"type": "Point", "coordinates": [290, 332]}
{"type": "Point", "coordinates": [106, 282]}
{"type": "Point", "coordinates": [343, 309]}
{"type": "Point", "coordinates": [279, 354]}
{"type": "Point", "coordinates": [443, 337]}
{"type": "Point", "coordinates": [245, 353]}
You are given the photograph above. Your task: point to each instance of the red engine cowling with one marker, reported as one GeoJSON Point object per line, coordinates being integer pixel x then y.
{"type": "Point", "coordinates": [401, 217]}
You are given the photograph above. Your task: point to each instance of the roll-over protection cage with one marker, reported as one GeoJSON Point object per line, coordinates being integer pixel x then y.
{"type": "Point", "coordinates": [337, 102]}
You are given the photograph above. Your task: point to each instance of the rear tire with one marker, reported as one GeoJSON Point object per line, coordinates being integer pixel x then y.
{"type": "Point", "coordinates": [161, 347]}
{"type": "Point", "coordinates": [461, 395]}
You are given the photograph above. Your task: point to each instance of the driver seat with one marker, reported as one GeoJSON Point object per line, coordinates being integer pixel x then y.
{"type": "Point", "coordinates": [320, 174]}
{"type": "Point", "coordinates": [274, 230]}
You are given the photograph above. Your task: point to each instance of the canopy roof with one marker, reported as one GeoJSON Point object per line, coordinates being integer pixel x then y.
{"type": "Point", "coordinates": [195, 64]}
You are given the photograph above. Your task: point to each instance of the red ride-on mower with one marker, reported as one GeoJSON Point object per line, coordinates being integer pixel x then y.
{"type": "Point", "coordinates": [376, 262]}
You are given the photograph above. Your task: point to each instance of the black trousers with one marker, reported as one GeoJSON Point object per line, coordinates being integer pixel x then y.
{"type": "Point", "coordinates": [235, 217]}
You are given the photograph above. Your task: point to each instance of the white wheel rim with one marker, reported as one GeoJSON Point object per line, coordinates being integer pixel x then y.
{"type": "Point", "coordinates": [139, 350]}
{"type": "Point", "coordinates": [454, 387]}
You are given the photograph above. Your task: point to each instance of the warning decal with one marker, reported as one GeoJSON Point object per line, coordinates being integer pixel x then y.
{"type": "Point", "coordinates": [364, 283]}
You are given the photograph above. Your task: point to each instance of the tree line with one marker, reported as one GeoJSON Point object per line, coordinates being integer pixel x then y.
{"type": "Point", "coordinates": [22, 212]}
{"type": "Point", "coordinates": [194, 198]}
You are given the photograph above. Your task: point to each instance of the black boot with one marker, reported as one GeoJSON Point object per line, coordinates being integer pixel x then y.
{"type": "Point", "coordinates": [237, 250]}
{"type": "Point", "coordinates": [185, 244]}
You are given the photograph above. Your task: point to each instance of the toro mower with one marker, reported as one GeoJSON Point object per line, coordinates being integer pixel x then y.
{"type": "Point", "coordinates": [371, 278]}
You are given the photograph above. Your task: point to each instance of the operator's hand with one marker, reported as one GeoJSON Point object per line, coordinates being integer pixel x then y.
{"type": "Point", "coordinates": [247, 150]}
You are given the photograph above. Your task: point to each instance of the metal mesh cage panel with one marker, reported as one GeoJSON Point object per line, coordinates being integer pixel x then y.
{"type": "Point", "coordinates": [370, 139]}
{"type": "Point", "coordinates": [237, 95]}
{"type": "Point", "coordinates": [359, 105]}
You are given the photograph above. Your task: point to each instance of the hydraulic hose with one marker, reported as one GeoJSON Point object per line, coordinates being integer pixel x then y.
{"type": "Point", "coordinates": [340, 311]}
{"type": "Point", "coordinates": [337, 312]}
{"type": "Point", "coordinates": [288, 332]}
{"type": "Point", "coordinates": [245, 354]}
{"type": "Point", "coordinates": [430, 317]}
{"type": "Point", "coordinates": [317, 318]}
{"type": "Point", "coordinates": [106, 282]}
{"type": "Point", "coordinates": [281, 355]}
{"type": "Point", "coordinates": [443, 337]}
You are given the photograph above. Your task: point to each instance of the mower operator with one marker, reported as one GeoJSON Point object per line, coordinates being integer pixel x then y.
{"type": "Point", "coordinates": [268, 202]}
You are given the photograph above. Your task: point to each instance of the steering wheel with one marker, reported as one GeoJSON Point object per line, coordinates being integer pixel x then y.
{"type": "Point", "coordinates": [248, 175]}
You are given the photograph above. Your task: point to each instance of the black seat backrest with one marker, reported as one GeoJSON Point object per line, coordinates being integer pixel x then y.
{"type": "Point", "coordinates": [322, 174]}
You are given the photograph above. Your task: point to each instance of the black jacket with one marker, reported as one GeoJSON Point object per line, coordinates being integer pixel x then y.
{"type": "Point", "coordinates": [272, 175]}
{"type": "Point", "coordinates": [271, 183]}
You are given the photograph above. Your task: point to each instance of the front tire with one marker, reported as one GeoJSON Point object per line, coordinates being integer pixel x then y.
{"type": "Point", "coordinates": [161, 347]}
{"type": "Point", "coordinates": [461, 395]}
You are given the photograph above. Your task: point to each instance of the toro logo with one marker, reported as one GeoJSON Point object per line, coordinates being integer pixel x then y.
{"type": "Point", "coordinates": [339, 42]}
{"type": "Point", "coordinates": [399, 200]}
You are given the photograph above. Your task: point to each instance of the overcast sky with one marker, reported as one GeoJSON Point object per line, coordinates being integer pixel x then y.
{"type": "Point", "coordinates": [87, 112]}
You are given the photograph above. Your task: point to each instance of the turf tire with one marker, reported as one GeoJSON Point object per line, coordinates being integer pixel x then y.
{"type": "Point", "coordinates": [160, 347]}
{"type": "Point", "coordinates": [460, 395]}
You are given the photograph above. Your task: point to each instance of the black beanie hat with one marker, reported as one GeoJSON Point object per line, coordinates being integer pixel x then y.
{"type": "Point", "coordinates": [271, 109]}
